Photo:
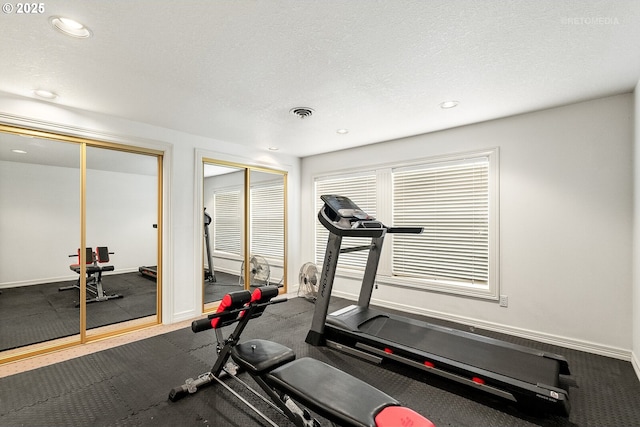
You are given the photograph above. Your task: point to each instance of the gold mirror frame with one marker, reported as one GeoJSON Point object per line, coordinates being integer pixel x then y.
{"type": "Point", "coordinates": [101, 333]}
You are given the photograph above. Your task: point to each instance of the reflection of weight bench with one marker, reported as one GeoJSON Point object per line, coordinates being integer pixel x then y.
{"type": "Point", "coordinates": [331, 393]}
{"type": "Point", "coordinates": [94, 274]}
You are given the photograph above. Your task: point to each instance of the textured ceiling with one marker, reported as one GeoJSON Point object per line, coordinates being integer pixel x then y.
{"type": "Point", "coordinates": [232, 70]}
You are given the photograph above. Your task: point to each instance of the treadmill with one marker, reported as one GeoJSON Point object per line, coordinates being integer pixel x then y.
{"type": "Point", "coordinates": [149, 271]}
{"type": "Point", "coordinates": [529, 377]}
{"type": "Point", "coordinates": [209, 272]}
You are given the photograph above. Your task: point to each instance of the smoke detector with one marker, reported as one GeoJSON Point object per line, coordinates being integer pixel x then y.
{"type": "Point", "coordinates": [301, 112]}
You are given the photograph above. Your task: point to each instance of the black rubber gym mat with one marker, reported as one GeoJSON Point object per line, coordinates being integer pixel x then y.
{"type": "Point", "coordinates": [38, 313]}
{"type": "Point", "coordinates": [129, 385]}
{"type": "Point", "coordinates": [225, 283]}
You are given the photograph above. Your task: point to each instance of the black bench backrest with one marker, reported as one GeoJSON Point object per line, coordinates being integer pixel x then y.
{"type": "Point", "coordinates": [102, 253]}
{"type": "Point", "coordinates": [88, 255]}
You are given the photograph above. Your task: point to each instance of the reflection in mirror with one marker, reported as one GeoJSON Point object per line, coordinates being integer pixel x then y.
{"type": "Point", "coordinates": [121, 212]}
{"type": "Point", "coordinates": [223, 193]}
{"type": "Point", "coordinates": [39, 229]}
{"type": "Point", "coordinates": [267, 228]}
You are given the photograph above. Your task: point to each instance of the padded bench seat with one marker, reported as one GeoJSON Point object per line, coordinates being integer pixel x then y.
{"type": "Point", "coordinates": [260, 356]}
{"type": "Point", "coordinates": [327, 391]}
{"type": "Point", "coordinates": [91, 269]}
{"type": "Point", "coordinates": [330, 392]}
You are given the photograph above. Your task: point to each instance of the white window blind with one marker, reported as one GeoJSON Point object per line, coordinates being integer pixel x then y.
{"type": "Point", "coordinates": [227, 222]}
{"type": "Point", "coordinates": [451, 201]}
{"type": "Point", "coordinates": [267, 220]}
{"type": "Point", "coordinates": [361, 189]}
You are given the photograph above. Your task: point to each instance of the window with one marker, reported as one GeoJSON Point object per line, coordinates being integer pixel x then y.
{"type": "Point", "coordinates": [227, 222]}
{"type": "Point", "coordinates": [454, 198]}
{"type": "Point", "coordinates": [451, 202]}
{"type": "Point", "coordinates": [267, 218]}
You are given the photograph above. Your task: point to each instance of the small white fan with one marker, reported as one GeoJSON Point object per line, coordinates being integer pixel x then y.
{"type": "Point", "coordinates": [259, 271]}
{"type": "Point", "coordinates": [308, 280]}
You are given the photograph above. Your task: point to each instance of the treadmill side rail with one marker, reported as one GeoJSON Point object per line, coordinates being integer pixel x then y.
{"type": "Point", "coordinates": [508, 388]}
{"type": "Point", "coordinates": [438, 371]}
{"type": "Point", "coordinates": [353, 351]}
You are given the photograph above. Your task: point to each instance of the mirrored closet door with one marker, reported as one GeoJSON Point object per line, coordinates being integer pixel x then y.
{"type": "Point", "coordinates": [121, 211]}
{"type": "Point", "coordinates": [244, 229]}
{"type": "Point", "coordinates": [39, 237]}
{"type": "Point", "coordinates": [78, 219]}
{"type": "Point", "coordinates": [267, 228]}
{"type": "Point", "coordinates": [223, 230]}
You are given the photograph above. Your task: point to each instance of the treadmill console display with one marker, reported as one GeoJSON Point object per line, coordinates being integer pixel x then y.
{"type": "Point", "coordinates": [343, 207]}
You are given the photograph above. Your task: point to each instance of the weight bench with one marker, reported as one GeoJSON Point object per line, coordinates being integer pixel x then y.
{"type": "Point", "coordinates": [287, 381]}
{"type": "Point", "coordinates": [94, 274]}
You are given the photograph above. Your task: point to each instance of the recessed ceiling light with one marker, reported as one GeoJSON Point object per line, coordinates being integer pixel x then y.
{"type": "Point", "coordinates": [273, 148]}
{"type": "Point", "coordinates": [18, 151]}
{"type": "Point", "coordinates": [342, 131]}
{"type": "Point", "coordinates": [46, 94]}
{"type": "Point", "coordinates": [448, 104]}
{"type": "Point", "coordinates": [70, 27]}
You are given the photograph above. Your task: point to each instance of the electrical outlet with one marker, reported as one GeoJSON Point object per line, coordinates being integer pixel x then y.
{"type": "Point", "coordinates": [504, 301]}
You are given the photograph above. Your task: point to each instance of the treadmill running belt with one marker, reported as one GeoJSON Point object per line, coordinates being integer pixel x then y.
{"type": "Point", "coordinates": [502, 360]}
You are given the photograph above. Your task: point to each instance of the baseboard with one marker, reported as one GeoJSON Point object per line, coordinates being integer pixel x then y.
{"type": "Point", "coordinates": [636, 364]}
{"type": "Point", "coordinates": [33, 282]}
{"type": "Point", "coordinates": [581, 345]}
{"type": "Point", "coordinates": [226, 270]}
{"type": "Point", "coordinates": [184, 315]}
{"type": "Point", "coordinates": [66, 278]}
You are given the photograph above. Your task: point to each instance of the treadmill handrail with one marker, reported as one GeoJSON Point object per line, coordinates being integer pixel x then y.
{"type": "Point", "coordinates": [405, 230]}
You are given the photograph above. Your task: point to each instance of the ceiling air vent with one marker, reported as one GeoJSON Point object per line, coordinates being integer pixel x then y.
{"type": "Point", "coordinates": [301, 112]}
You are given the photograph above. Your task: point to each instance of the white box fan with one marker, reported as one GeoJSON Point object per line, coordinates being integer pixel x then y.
{"type": "Point", "coordinates": [308, 280]}
{"type": "Point", "coordinates": [259, 271]}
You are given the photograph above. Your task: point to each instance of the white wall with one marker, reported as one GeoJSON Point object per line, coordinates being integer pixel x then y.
{"type": "Point", "coordinates": [39, 223]}
{"type": "Point", "coordinates": [121, 211]}
{"type": "Point", "coordinates": [182, 261]}
{"type": "Point", "coordinates": [635, 327]}
{"type": "Point", "coordinates": [566, 178]}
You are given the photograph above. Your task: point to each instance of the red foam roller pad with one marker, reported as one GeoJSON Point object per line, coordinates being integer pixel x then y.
{"type": "Point", "coordinates": [399, 416]}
